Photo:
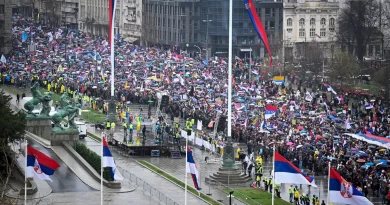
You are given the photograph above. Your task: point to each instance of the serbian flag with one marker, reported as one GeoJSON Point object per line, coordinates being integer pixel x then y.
{"type": "Point", "coordinates": [111, 19]}
{"type": "Point", "coordinates": [342, 192]}
{"type": "Point", "coordinates": [193, 169]}
{"type": "Point", "coordinates": [39, 164]}
{"type": "Point", "coordinates": [329, 88]}
{"type": "Point", "coordinates": [108, 161]}
{"type": "Point", "coordinates": [250, 7]}
{"type": "Point", "coordinates": [286, 172]}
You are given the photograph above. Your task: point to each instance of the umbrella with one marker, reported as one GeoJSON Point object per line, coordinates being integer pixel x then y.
{"type": "Point", "coordinates": [382, 150]}
{"type": "Point", "coordinates": [361, 160]}
{"type": "Point", "coordinates": [318, 137]}
{"type": "Point", "coordinates": [300, 128]}
{"type": "Point", "coordinates": [299, 146]}
{"type": "Point", "coordinates": [289, 143]}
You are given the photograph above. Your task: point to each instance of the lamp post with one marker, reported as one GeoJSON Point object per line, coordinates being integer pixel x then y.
{"type": "Point", "coordinates": [207, 36]}
{"type": "Point", "coordinates": [200, 51]}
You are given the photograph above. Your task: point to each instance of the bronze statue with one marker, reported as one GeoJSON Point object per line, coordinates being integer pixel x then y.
{"type": "Point", "coordinates": [38, 98]}
{"type": "Point", "coordinates": [67, 110]}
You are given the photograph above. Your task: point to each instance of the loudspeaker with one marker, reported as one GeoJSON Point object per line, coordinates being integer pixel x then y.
{"type": "Point", "coordinates": [221, 124]}
{"type": "Point", "coordinates": [164, 101]}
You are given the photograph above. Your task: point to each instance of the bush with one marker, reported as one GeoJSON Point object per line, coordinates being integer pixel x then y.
{"type": "Point", "coordinates": [93, 159]}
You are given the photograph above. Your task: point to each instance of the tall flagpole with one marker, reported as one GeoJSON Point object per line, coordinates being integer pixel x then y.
{"type": "Point", "coordinates": [101, 171]}
{"type": "Point", "coordinates": [328, 198]}
{"type": "Point", "coordinates": [111, 115]}
{"type": "Point", "coordinates": [273, 176]}
{"type": "Point", "coordinates": [25, 175]}
{"type": "Point", "coordinates": [229, 134]}
{"type": "Point", "coordinates": [185, 175]}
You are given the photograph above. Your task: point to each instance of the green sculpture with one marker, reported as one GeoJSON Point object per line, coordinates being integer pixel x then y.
{"type": "Point", "coordinates": [67, 110]}
{"type": "Point", "coordinates": [38, 98]}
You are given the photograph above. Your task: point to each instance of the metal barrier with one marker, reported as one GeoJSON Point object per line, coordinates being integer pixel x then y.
{"type": "Point", "coordinates": [146, 188]}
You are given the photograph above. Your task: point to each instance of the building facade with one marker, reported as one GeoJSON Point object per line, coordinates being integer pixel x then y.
{"type": "Point", "coordinates": [93, 18]}
{"type": "Point", "coordinates": [5, 26]}
{"type": "Point", "coordinates": [203, 25]}
{"type": "Point", "coordinates": [307, 21]}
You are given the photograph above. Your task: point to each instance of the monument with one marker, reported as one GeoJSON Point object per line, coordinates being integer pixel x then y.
{"type": "Point", "coordinates": [228, 174]}
{"type": "Point", "coordinates": [41, 124]}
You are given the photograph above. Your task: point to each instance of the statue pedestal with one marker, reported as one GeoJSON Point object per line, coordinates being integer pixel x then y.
{"type": "Point", "coordinates": [64, 136]}
{"type": "Point", "coordinates": [39, 126]}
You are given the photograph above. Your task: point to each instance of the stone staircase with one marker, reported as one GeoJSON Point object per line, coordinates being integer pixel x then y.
{"type": "Point", "coordinates": [229, 177]}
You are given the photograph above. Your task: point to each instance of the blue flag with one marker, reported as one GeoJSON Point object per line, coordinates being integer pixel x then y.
{"type": "Point", "coordinates": [24, 36]}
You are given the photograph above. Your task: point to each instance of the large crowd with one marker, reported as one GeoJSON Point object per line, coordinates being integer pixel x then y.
{"type": "Point", "coordinates": [308, 125]}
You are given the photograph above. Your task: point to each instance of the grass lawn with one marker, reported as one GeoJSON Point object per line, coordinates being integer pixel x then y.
{"type": "Point", "coordinates": [12, 89]}
{"type": "Point", "coordinates": [253, 196]}
{"type": "Point", "coordinates": [177, 181]}
{"type": "Point", "coordinates": [93, 116]}
{"type": "Point", "coordinates": [371, 88]}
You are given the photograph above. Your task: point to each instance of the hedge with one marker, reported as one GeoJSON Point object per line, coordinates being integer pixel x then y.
{"type": "Point", "coordinates": [93, 159]}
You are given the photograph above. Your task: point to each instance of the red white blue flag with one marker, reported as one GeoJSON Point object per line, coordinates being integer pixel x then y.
{"type": "Point", "coordinates": [250, 7]}
{"type": "Point", "coordinates": [192, 168]}
{"type": "Point", "coordinates": [111, 19]}
{"type": "Point", "coordinates": [342, 192]}
{"type": "Point", "coordinates": [286, 172]}
{"type": "Point", "coordinates": [39, 164]}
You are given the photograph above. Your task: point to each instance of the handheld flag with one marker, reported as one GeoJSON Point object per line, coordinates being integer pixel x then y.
{"type": "Point", "coordinates": [286, 172]}
{"type": "Point", "coordinates": [270, 111]}
{"type": "Point", "coordinates": [329, 88]}
{"type": "Point", "coordinates": [108, 161]}
{"type": "Point", "coordinates": [192, 168]}
{"type": "Point", "coordinates": [250, 7]}
{"type": "Point", "coordinates": [347, 124]}
{"type": "Point", "coordinates": [308, 97]}
{"type": "Point", "coordinates": [340, 191]}
{"type": "Point", "coordinates": [3, 59]}
{"type": "Point", "coordinates": [39, 165]}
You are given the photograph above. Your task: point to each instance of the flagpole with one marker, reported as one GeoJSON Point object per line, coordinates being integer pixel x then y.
{"type": "Point", "coordinates": [330, 162]}
{"type": "Point", "coordinates": [273, 176]}
{"type": "Point", "coordinates": [25, 175]}
{"type": "Point", "coordinates": [185, 175]}
{"type": "Point", "coordinates": [101, 171]}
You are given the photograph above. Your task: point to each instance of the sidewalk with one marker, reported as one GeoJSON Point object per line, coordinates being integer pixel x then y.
{"type": "Point", "coordinates": [167, 188]}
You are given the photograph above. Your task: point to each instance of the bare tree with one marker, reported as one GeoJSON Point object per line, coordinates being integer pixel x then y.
{"type": "Point", "coordinates": [310, 56]}
{"type": "Point", "coordinates": [342, 67]}
{"type": "Point", "coordinates": [356, 25]}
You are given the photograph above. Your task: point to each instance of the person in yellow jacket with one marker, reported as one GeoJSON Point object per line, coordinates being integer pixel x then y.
{"type": "Point", "coordinates": [296, 197]}
{"type": "Point", "coordinates": [112, 127]}
{"type": "Point", "coordinates": [138, 126]}
{"type": "Point", "coordinates": [259, 160]}
{"type": "Point", "coordinates": [238, 154]}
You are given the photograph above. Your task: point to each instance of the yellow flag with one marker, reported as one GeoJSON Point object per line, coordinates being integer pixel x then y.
{"type": "Point", "coordinates": [255, 121]}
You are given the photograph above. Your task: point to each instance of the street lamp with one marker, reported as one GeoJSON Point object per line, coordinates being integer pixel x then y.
{"type": "Point", "coordinates": [200, 51]}
{"type": "Point", "coordinates": [207, 36]}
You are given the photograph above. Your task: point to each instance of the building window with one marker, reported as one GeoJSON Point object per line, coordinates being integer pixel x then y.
{"type": "Point", "coordinates": [312, 32]}
{"type": "Point", "coordinates": [289, 22]}
{"type": "Point", "coordinates": [322, 32]}
{"type": "Point", "coordinates": [331, 22]}
{"type": "Point", "coordinates": [312, 22]}
{"type": "Point", "coordinates": [302, 22]}
{"type": "Point", "coordinates": [323, 21]}
{"type": "Point", "coordinates": [289, 30]}
{"type": "Point", "coordinates": [301, 32]}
